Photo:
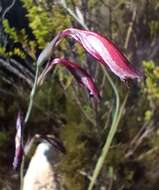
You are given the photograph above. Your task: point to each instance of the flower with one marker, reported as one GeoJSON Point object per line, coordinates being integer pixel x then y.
{"type": "Point", "coordinates": [80, 75]}
{"type": "Point", "coordinates": [18, 142]}
{"type": "Point", "coordinates": [104, 51]}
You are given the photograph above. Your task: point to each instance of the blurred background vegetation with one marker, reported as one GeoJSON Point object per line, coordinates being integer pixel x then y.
{"type": "Point", "coordinates": [62, 107]}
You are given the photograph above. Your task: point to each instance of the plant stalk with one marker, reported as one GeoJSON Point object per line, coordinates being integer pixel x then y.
{"type": "Point", "coordinates": [106, 147]}
{"type": "Point", "coordinates": [111, 134]}
{"type": "Point", "coordinates": [32, 96]}
{"type": "Point", "coordinates": [28, 113]}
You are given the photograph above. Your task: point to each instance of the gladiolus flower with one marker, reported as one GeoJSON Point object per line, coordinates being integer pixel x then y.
{"type": "Point", "coordinates": [80, 75]}
{"type": "Point", "coordinates": [104, 51]}
{"type": "Point", "coordinates": [18, 142]}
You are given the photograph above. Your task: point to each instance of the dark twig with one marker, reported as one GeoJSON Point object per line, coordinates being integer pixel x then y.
{"type": "Point", "coordinates": [130, 29]}
{"type": "Point", "coordinates": [8, 9]}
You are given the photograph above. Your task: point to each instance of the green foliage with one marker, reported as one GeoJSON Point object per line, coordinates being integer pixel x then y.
{"type": "Point", "coordinates": [154, 28]}
{"type": "Point", "coordinates": [77, 155]}
{"type": "Point", "coordinates": [3, 138]}
{"type": "Point", "coordinates": [152, 78]}
{"type": "Point", "coordinates": [11, 31]}
{"type": "Point", "coordinates": [2, 51]}
{"type": "Point", "coordinates": [148, 115]}
{"type": "Point", "coordinates": [45, 23]}
{"type": "Point", "coordinates": [15, 36]}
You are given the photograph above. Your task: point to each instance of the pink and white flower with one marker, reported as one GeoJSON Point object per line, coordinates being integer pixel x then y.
{"type": "Point", "coordinates": [80, 75]}
{"type": "Point", "coordinates": [18, 142]}
{"type": "Point", "coordinates": [104, 51]}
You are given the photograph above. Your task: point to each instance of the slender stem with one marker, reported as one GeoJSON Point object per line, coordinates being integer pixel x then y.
{"type": "Point", "coordinates": [113, 87]}
{"type": "Point", "coordinates": [8, 9]}
{"type": "Point", "coordinates": [148, 153]}
{"type": "Point", "coordinates": [130, 28]}
{"type": "Point", "coordinates": [108, 142]}
{"type": "Point", "coordinates": [63, 3]}
{"type": "Point", "coordinates": [111, 134]}
{"type": "Point", "coordinates": [32, 96]}
{"type": "Point", "coordinates": [28, 113]}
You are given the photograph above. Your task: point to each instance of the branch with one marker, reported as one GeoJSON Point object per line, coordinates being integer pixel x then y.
{"type": "Point", "coordinates": [81, 22]}
{"type": "Point", "coordinates": [130, 28]}
{"type": "Point", "coordinates": [16, 71]}
{"type": "Point", "coordinates": [148, 131]}
{"type": "Point", "coordinates": [8, 9]}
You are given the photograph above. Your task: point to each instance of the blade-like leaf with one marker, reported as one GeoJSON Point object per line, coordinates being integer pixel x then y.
{"type": "Point", "coordinates": [80, 75]}
{"type": "Point", "coordinates": [103, 50]}
{"type": "Point", "coordinates": [18, 142]}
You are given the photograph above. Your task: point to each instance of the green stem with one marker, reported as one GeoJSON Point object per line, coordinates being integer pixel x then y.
{"type": "Point", "coordinates": [32, 96]}
{"type": "Point", "coordinates": [113, 87]}
{"type": "Point", "coordinates": [28, 113]}
{"type": "Point", "coordinates": [106, 147]}
{"type": "Point", "coordinates": [111, 134]}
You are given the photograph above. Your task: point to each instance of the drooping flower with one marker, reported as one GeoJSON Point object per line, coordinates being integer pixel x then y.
{"type": "Point", "coordinates": [104, 51]}
{"type": "Point", "coordinates": [80, 75]}
{"type": "Point", "coordinates": [18, 142]}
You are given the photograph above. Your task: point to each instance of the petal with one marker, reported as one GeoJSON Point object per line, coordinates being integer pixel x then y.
{"type": "Point", "coordinates": [18, 142]}
{"type": "Point", "coordinates": [80, 75]}
{"type": "Point", "coordinates": [103, 50]}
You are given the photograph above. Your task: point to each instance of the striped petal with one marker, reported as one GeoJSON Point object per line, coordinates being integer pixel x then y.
{"type": "Point", "coordinates": [103, 50]}
{"type": "Point", "coordinates": [18, 142]}
{"type": "Point", "coordinates": [80, 75]}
